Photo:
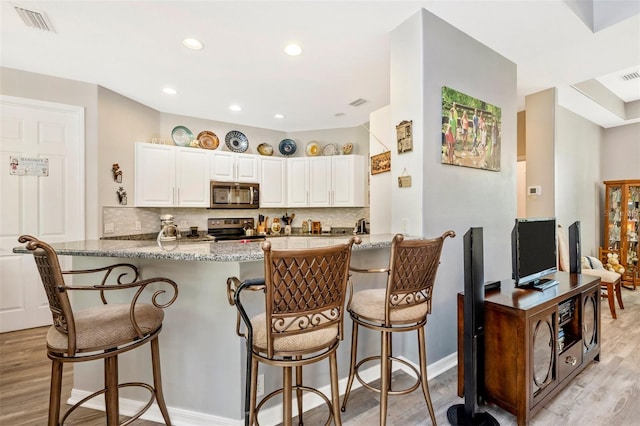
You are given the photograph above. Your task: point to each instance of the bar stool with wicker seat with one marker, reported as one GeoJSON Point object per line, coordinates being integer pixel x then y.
{"type": "Point", "coordinates": [302, 322]}
{"type": "Point", "coordinates": [100, 332]}
{"type": "Point", "coordinates": [402, 306]}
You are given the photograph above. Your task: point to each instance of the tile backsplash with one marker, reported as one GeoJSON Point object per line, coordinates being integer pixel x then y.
{"type": "Point", "coordinates": [125, 219]}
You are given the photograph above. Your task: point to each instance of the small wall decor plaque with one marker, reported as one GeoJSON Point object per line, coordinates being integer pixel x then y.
{"type": "Point", "coordinates": [122, 196]}
{"type": "Point", "coordinates": [26, 166]}
{"type": "Point", "coordinates": [404, 181]}
{"type": "Point", "coordinates": [381, 163]}
{"type": "Point", "coordinates": [117, 173]}
{"type": "Point", "coordinates": [404, 134]}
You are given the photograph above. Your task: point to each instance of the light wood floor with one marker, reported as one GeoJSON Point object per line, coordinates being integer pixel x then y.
{"type": "Point", "coordinates": [605, 393]}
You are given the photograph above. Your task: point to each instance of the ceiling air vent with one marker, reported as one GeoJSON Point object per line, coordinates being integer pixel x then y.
{"type": "Point", "coordinates": [630, 76]}
{"type": "Point", "coordinates": [35, 19]}
{"type": "Point", "coordinates": [357, 102]}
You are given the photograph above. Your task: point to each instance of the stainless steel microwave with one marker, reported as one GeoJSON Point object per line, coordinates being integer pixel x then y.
{"type": "Point", "coordinates": [234, 195]}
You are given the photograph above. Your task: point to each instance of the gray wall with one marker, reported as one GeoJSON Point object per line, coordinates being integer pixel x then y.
{"type": "Point", "coordinates": [620, 156]}
{"type": "Point", "coordinates": [426, 55]}
{"type": "Point", "coordinates": [540, 140]}
{"type": "Point", "coordinates": [121, 122]}
{"type": "Point", "coordinates": [577, 176]}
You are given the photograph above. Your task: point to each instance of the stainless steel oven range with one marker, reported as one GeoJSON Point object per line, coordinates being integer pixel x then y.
{"type": "Point", "coordinates": [233, 229]}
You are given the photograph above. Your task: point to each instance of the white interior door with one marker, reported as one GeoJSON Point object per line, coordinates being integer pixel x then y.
{"type": "Point", "coordinates": [48, 206]}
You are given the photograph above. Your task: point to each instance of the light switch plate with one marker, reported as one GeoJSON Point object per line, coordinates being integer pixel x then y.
{"type": "Point", "coordinates": [109, 228]}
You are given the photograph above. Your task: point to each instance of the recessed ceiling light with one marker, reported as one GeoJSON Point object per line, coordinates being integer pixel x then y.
{"type": "Point", "coordinates": [169, 91]}
{"type": "Point", "coordinates": [279, 116]}
{"type": "Point", "coordinates": [235, 108]}
{"type": "Point", "coordinates": [192, 43]}
{"type": "Point", "coordinates": [293, 49]}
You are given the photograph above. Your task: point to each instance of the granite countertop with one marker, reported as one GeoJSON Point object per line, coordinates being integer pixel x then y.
{"type": "Point", "coordinates": [225, 251]}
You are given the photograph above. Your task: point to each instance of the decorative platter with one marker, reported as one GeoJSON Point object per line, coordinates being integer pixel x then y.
{"type": "Point", "coordinates": [287, 147]}
{"type": "Point", "coordinates": [236, 141]}
{"type": "Point", "coordinates": [312, 149]}
{"type": "Point", "coordinates": [208, 140]}
{"type": "Point", "coordinates": [347, 148]}
{"type": "Point", "coordinates": [181, 136]}
{"type": "Point", "coordinates": [265, 149]}
{"type": "Point", "coordinates": [330, 149]}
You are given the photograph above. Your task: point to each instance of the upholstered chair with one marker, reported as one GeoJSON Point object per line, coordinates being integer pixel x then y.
{"type": "Point", "coordinates": [610, 281]}
{"type": "Point", "coordinates": [103, 331]}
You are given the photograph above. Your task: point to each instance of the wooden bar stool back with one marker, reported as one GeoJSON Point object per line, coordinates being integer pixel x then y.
{"type": "Point", "coordinates": [103, 331]}
{"type": "Point", "coordinates": [302, 323]}
{"type": "Point", "coordinates": [402, 306]}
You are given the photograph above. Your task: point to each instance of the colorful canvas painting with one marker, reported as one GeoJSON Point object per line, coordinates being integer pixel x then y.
{"type": "Point", "coordinates": [471, 131]}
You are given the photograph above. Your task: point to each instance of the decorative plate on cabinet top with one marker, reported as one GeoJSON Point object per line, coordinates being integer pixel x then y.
{"type": "Point", "coordinates": [265, 149]}
{"type": "Point", "coordinates": [181, 136]}
{"type": "Point", "coordinates": [313, 149]}
{"type": "Point", "coordinates": [330, 149]}
{"type": "Point", "coordinates": [347, 148]}
{"type": "Point", "coordinates": [236, 141]}
{"type": "Point", "coordinates": [287, 147]}
{"type": "Point", "coordinates": [208, 140]}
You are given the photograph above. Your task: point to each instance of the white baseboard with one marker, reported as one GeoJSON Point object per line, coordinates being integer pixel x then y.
{"type": "Point", "coordinates": [179, 416]}
{"type": "Point", "coordinates": [268, 416]}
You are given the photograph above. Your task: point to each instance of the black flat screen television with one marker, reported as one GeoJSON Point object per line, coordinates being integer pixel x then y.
{"type": "Point", "coordinates": [533, 243]}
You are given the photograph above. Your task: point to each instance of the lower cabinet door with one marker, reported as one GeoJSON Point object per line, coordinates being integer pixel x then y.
{"type": "Point", "coordinates": [543, 374]}
{"type": "Point", "coordinates": [590, 322]}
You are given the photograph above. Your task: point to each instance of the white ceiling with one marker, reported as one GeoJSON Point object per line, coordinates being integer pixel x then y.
{"type": "Point", "coordinates": [134, 48]}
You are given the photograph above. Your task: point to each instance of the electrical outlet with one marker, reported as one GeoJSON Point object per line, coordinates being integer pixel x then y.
{"type": "Point", "coordinates": [260, 385]}
{"type": "Point", "coordinates": [109, 228]}
{"type": "Point", "coordinates": [138, 225]}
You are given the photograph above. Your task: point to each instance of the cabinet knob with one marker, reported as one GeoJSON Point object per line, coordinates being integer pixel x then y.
{"type": "Point", "coordinates": [571, 360]}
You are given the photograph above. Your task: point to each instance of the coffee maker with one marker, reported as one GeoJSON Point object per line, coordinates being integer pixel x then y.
{"type": "Point", "coordinates": [361, 227]}
{"type": "Point", "coordinates": [168, 229]}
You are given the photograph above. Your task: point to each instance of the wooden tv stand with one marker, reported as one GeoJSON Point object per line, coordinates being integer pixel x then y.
{"type": "Point", "coordinates": [535, 341]}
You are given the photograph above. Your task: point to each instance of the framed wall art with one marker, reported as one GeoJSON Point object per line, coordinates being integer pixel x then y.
{"type": "Point", "coordinates": [404, 134]}
{"type": "Point", "coordinates": [471, 131]}
{"type": "Point", "coordinates": [381, 163]}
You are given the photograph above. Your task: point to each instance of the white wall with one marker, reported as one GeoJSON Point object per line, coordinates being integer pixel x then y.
{"type": "Point", "coordinates": [426, 54]}
{"type": "Point", "coordinates": [381, 139]}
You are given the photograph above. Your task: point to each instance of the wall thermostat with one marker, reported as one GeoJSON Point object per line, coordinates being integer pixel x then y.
{"type": "Point", "coordinates": [534, 190]}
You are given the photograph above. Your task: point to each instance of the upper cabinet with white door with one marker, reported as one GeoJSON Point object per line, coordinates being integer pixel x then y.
{"type": "Point", "coordinates": [273, 182]}
{"type": "Point", "coordinates": [169, 176]}
{"type": "Point", "coordinates": [336, 181]}
{"type": "Point", "coordinates": [233, 167]}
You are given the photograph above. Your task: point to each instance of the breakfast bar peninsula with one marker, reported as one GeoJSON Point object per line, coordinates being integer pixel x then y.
{"type": "Point", "coordinates": [202, 358]}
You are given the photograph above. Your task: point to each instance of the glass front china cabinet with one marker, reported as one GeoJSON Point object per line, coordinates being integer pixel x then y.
{"type": "Point", "coordinates": [622, 225]}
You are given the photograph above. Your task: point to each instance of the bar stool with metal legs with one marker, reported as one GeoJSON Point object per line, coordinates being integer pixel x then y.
{"type": "Point", "coordinates": [402, 306]}
{"type": "Point", "coordinates": [101, 332]}
{"type": "Point", "coordinates": [302, 322]}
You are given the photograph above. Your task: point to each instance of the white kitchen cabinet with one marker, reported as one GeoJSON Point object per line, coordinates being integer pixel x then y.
{"type": "Point", "coordinates": [348, 181]}
{"type": "Point", "coordinates": [336, 181]}
{"type": "Point", "coordinates": [233, 167]}
{"type": "Point", "coordinates": [155, 179]}
{"type": "Point", "coordinates": [273, 182]}
{"type": "Point", "coordinates": [298, 182]}
{"type": "Point", "coordinates": [192, 178]}
{"type": "Point", "coordinates": [169, 176]}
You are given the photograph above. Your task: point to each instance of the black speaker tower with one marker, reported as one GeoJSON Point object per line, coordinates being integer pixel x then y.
{"type": "Point", "coordinates": [575, 254]}
{"type": "Point", "coordinates": [467, 413]}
